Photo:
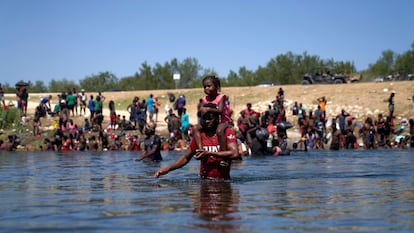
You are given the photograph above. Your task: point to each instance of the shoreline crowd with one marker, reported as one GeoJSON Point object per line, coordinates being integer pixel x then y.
{"type": "Point", "coordinates": [258, 133]}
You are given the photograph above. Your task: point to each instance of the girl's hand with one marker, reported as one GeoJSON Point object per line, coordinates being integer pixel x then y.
{"type": "Point", "coordinates": [203, 110]}
{"type": "Point", "coordinates": [200, 154]}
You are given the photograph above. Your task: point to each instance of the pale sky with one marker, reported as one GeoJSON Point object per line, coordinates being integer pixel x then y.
{"type": "Point", "coordinates": [56, 39]}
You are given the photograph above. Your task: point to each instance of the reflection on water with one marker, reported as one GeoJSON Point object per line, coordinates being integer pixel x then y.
{"type": "Point", "coordinates": [357, 191]}
{"type": "Point", "coordinates": [216, 201]}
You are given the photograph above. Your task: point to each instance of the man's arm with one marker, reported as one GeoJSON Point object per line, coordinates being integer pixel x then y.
{"type": "Point", "coordinates": [249, 136]}
{"type": "Point", "coordinates": [232, 151]}
{"type": "Point", "coordinates": [180, 162]}
{"type": "Point", "coordinates": [146, 154]}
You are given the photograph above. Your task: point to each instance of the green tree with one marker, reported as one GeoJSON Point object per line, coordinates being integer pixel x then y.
{"type": "Point", "coordinates": [406, 60]}
{"type": "Point", "coordinates": [285, 66]}
{"type": "Point", "coordinates": [147, 80]}
{"type": "Point", "coordinates": [100, 82]}
{"type": "Point", "coordinates": [309, 62]}
{"type": "Point", "coordinates": [233, 79]}
{"type": "Point", "coordinates": [264, 75]}
{"type": "Point", "coordinates": [38, 87]}
{"type": "Point", "coordinates": [62, 85]}
{"type": "Point", "coordinates": [248, 77]}
{"type": "Point", "coordinates": [164, 76]}
{"type": "Point", "coordinates": [127, 83]}
{"type": "Point", "coordinates": [7, 88]}
{"type": "Point", "coordinates": [289, 68]}
{"type": "Point", "coordinates": [383, 66]}
{"type": "Point", "coordinates": [189, 71]}
{"type": "Point", "coordinates": [346, 67]}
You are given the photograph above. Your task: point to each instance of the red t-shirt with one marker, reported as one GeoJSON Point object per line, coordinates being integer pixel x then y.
{"type": "Point", "coordinates": [135, 146]}
{"type": "Point", "coordinates": [212, 167]}
{"type": "Point", "coordinates": [112, 117]}
{"type": "Point", "coordinates": [66, 145]}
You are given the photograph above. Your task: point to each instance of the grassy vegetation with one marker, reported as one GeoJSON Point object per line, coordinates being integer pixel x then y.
{"type": "Point", "coordinates": [9, 118]}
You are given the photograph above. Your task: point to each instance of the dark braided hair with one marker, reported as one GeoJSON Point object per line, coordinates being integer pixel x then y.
{"type": "Point", "coordinates": [215, 80]}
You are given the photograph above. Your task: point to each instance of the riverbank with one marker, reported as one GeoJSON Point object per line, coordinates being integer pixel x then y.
{"type": "Point", "coordinates": [361, 100]}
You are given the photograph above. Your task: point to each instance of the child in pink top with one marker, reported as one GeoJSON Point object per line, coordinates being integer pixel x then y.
{"type": "Point", "coordinates": [217, 103]}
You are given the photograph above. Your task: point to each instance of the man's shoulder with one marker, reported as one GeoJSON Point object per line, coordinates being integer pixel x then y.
{"type": "Point", "coordinates": [230, 134]}
{"type": "Point", "coordinates": [156, 138]}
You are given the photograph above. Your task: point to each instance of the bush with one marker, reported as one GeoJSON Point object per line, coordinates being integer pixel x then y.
{"type": "Point", "coordinates": [9, 117]}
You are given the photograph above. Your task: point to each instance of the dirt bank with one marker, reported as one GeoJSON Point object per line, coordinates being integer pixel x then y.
{"type": "Point", "coordinates": [359, 99]}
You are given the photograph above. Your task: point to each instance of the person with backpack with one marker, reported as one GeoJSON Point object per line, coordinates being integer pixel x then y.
{"type": "Point", "coordinates": [179, 105]}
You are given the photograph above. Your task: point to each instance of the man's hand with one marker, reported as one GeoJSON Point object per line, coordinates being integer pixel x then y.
{"type": "Point", "coordinates": [200, 154]}
{"type": "Point", "coordinates": [160, 172]}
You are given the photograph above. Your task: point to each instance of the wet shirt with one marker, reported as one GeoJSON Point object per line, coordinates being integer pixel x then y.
{"type": "Point", "coordinates": [212, 167]}
{"type": "Point", "coordinates": [150, 143]}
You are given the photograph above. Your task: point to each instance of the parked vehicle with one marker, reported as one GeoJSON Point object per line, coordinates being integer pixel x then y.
{"type": "Point", "coordinates": [268, 84]}
{"type": "Point", "coordinates": [379, 79]}
{"type": "Point", "coordinates": [401, 74]}
{"type": "Point", "coordinates": [323, 75]}
{"type": "Point", "coordinates": [353, 77]}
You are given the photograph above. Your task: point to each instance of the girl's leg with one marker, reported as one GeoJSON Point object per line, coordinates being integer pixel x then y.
{"type": "Point", "coordinates": [220, 134]}
{"type": "Point", "coordinates": [197, 135]}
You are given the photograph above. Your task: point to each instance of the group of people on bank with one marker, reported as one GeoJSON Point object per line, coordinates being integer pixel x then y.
{"type": "Point", "coordinates": [215, 139]}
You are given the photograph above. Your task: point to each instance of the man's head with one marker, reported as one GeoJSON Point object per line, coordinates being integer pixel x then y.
{"type": "Point", "coordinates": [149, 129]}
{"type": "Point", "coordinates": [210, 120]}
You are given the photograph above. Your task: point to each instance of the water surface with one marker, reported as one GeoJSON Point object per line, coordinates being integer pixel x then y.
{"type": "Point", "coordinates": [344, 191]}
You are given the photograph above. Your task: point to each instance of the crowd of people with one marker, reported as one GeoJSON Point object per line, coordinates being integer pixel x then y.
{"type": "Point", "coordinates": [266, 132]}
{"type": "Point", "coordinates": [257, 133]}
{"type": "Point", "coordinates": [215, 139]}
{"type": "Point", "coordinates": [79, 123]}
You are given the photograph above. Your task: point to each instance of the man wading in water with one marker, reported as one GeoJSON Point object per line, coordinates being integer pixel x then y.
{"type": "Point", "coordinates": [214, 163]}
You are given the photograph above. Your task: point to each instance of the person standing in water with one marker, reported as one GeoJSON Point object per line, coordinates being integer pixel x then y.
{"type": "Point", "coordinates": [216, 103]}
{"type": "Point", "coordinates": [215, 163]}
{"type": "Point", "coordinates": [152, 144]}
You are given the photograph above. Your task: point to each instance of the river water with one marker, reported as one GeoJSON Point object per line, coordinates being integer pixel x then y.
{"type": "Point", "coordinates": [345, 191]}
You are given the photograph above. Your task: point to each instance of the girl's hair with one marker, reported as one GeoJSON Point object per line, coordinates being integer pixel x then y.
{"type": "Point", "coordinates": [111, 106]}
{"type": "Point", "coordinates": [215, 80]}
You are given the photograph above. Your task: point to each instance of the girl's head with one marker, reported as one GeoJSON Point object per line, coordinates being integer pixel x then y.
{"type": "Point", "coordinates": [211, 84]}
